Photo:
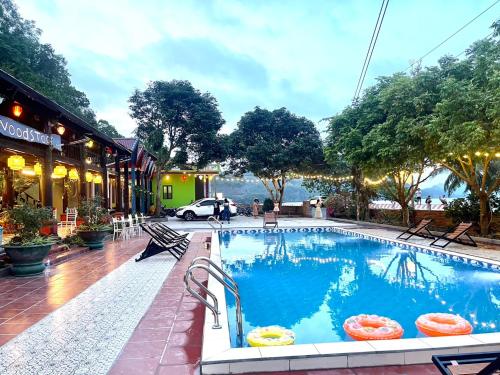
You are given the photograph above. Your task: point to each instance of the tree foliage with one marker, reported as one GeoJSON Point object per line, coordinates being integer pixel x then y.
{"type": "Point", "coordinates": [179, 124]}
{"type": "Point", "coordinates": [408, 127]}
{"type": "Point", "coordinates": [37, 64]}
{"type": "Point", "coordinates": [272, 144]}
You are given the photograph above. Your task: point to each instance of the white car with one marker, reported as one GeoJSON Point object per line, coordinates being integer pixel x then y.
{"type": "Point", "coordinates": [203, 208]}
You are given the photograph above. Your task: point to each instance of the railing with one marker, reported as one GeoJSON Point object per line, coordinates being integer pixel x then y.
{"type": "Point", "coordinates": [214, 220]}
{"type": "Point", "coordinates": [223, 278]}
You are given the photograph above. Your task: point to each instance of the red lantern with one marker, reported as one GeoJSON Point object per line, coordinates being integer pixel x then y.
{"type": "Point", "coordinates": [184, 178]}
{"type": "Point", "coordinates": [17, 110]}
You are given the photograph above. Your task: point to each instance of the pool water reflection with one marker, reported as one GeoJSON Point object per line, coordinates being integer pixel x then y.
{"type": "Point", "coordinates": [312, 282]}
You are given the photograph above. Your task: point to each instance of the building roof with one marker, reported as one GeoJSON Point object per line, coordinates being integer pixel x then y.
{"type": "Point", "coordinates": [28, 94]}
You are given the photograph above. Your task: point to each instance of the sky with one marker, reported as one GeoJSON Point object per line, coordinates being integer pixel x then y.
{"type": "Point", "coordinates": [304, 55]}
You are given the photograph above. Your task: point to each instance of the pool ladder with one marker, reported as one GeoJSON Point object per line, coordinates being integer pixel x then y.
{"type": "Point", "coordinates": [212, 220]}
{"type": "Point", "coordinates": [223, 278]}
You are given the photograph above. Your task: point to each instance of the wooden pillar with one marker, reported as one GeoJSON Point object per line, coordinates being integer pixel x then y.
{"type": "Point", "coordinates": [9, 188]}
{"type": "Point", "coordinates": [104, 185]}
{"type": "Point", "coordinates": [118, 175]}
{"type": "Point", "coordinates": [47, 170]}
{"type": "Point", "coordinates": [83, 170]}
{"type": "Point", "coordinates": [125, 189]}
{"type": "Point", "coordinates": [148, 194]}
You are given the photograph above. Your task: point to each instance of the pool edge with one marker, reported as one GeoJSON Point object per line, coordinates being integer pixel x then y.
{"type": "Point", "coordinates": [219, 358]}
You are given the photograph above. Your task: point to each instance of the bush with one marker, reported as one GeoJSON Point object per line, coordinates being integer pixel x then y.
{"type": "Point", "coordinates": [28, 220]}
{"type": "Point", "coordinates": [341, 205]}
{"type": "Point", "coordinates": [268, 205]}
{"type": "Point", "coordinates": [95, 217]}
{"type": "Point", "coordinates": [467, 209]}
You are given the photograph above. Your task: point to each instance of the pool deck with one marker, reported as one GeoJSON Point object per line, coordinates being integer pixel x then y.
{"type": "Point", "coordinates": [103, 313]}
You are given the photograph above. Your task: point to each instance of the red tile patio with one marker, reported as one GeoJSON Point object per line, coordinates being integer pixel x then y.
{"type": "Point", "coordinates": [168, 338]}
{"type": "Point", "coordinates": [25, 301]}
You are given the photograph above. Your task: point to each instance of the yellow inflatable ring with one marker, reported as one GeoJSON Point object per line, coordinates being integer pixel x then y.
{"type": "Point", "coordinates": [270, 336]}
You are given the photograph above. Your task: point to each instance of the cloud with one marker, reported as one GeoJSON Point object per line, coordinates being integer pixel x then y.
{"type": "Point", "coordinates": [305, 56]}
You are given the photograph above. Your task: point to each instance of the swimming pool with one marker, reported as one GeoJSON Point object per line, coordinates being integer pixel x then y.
{"type": "Point", "coordinates": [311, 280]}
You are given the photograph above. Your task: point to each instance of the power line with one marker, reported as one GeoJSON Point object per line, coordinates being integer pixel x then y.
{"type": "Point", "coordinates": [371, 47]}
{"type": "Point", "coordinates": [452, 35]}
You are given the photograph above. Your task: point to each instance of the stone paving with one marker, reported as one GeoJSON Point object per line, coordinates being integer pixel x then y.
{"type": "Point", "coordinates": [86, 334]}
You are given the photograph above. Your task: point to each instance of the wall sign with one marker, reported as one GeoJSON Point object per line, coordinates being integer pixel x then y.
{"type": "Point", "coordinates": [16, 130]}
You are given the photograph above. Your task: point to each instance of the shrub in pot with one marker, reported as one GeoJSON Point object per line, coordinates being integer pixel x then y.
{"type": "Point", "coordinates": [95, 223]}
{"type": "Point", "coordinates": [28, 248]}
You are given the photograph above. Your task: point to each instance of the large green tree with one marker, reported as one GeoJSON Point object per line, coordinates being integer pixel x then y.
{"type": "Point", "coordinates": [105, 127]}
{"type": "Point", "coordinates": [273, 144]}
{"type": "Point", "coordinates": [179, 124]}
{"type": "Point", "coordinates": [25, 57]}
{"type": "Point", "coordinates": [464, 134]}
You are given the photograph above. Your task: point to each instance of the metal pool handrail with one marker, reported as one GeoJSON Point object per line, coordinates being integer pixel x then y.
{"type": "Point", "coordinates": [214, 308]}
{"type": "Point", "coordinates": [221, 271]}
{"type": "Point", "coordinates": [214, 219]}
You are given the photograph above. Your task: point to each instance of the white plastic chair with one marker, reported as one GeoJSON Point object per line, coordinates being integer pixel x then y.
{"type": "Point", "coordinates": [137, 225]}
{"type": "Point", "coordinates": [71, 215]}
{"type": "Point", "coordinates": [117, 229]}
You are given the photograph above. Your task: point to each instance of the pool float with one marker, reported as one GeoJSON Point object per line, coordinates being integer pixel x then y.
{"type": "Point", "coordinates": [270, 336]}
{"type": "Point", "coordinates": [372, 327]}
{"type": "Point", "coordinates": [443, 324]}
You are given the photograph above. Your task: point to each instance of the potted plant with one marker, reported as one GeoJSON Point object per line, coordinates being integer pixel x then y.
{"type": "Point", "coordinates": [95, 223]}
{"type": "Point", "coordinates": [28, 248]}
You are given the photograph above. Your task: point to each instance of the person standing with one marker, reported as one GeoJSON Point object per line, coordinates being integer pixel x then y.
{"type": "Point", "coordinates": [255, 208]}
{"type": "Point", "coordinates": [276, 208]}
{"type": "Point", "coordinates": [217, 209]}
{"type": "Point", "coordinates": [428, 202]}
{"type": "Point", "coordinates": [226, 213]}
{"type": "Point", "coordinates": [418, 195]}
{"type": "Point", "coordinates": [318, 213]}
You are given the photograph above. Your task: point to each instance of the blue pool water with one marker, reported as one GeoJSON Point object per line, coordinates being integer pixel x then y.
{"type": "Point", "coordinates": [312, 282]}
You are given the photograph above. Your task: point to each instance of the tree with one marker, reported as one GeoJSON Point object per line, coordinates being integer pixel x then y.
{"type": "Point", "coordinates": [465, 131]}
{"type": "Point", "coordinates": [178, 123]}
{"type": "Point", "coordinates": [272, 144]}
{"type": "Point", "coordinates": [396, 147]}
{"type": "Point", "coordinates": [105, 127]}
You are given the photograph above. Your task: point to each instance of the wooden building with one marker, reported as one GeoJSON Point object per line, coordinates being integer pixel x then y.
{"type": "Point", "coordinates": [52, 158]}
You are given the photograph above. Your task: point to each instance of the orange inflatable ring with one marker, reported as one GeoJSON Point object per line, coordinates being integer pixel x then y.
{"type": "Point", "coordinates": [372, 327]}
{"type": "Point", "coordinates": [443, 324]}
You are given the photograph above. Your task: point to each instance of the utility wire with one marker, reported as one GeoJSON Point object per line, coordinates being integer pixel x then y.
{"type": "Point", "coordinates": [452, 35]}
{"type": "Point", "coordinates": [371, 47]}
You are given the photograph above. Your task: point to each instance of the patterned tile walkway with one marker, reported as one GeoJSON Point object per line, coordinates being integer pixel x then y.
{"type": "Point", "coordinates": [168, 338]}
{"type": "Point", "coordinates": [86, 334]}
{"type": "Point", "coordinates": [25, 301]}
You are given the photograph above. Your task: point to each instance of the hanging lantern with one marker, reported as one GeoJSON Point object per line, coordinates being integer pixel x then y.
{"type": "Point", "coordinates": [90, 143]}
{"type": "Point", "coordinates": [200, 177]}
{"type": "Point", "coordinates": [184, 178]}
{"type": "Point", "coordinates": [60, 171]}
{"type": "Point", "coordinates": [17, 110]}
{"type": "Point", "coordinates": [89, 177]}
{"type": "Point", "coordinates": [88, 160]}
{"type": "Point", "coordinates": [73, 174]}
{"type": "Point", "coordinates": [16, 162]}
{"type": "Point", "coordinates": [60, 129]}
{"type": "Point", "coordinates": [38, 169]}
{"type": "Point", "coordinates": [97, 179]}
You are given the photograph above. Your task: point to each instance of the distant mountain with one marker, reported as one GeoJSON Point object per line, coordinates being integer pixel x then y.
{"type": "Point", "coordinates": [245, 193]}
{"type": "Point", "coordinates": [437, 190]}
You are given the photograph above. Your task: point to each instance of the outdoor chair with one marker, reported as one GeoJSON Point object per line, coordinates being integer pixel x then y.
{"type": "Point", "coordinates": [136, 223]}
{"type": "Point", "coordinates": [169, 237]}
{"type": "Point", "coordinates": [419, 230]}
{"type": "Point", "coordinates": [170, 232]}
{"type": "Point", "coordinates": [133, 226]}
{"type": "Point", "coordinates": [271, 219]}
{"type": "Point", "coordinates": [118, 228]}
{"type": "Point", "coordinates": [468, 364]}
{"type": "Point", "coordinates": [454, 235]}
{"type": "Point", "coordinates": [158, 244]}
{"type": "Point", "coordinates": [70, 222]}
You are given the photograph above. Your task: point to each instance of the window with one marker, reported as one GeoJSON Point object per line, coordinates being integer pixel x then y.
{"type": "Point", "coordinates": [167, 191]}
{"type": "Point", "coordinates": [209, 202]}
